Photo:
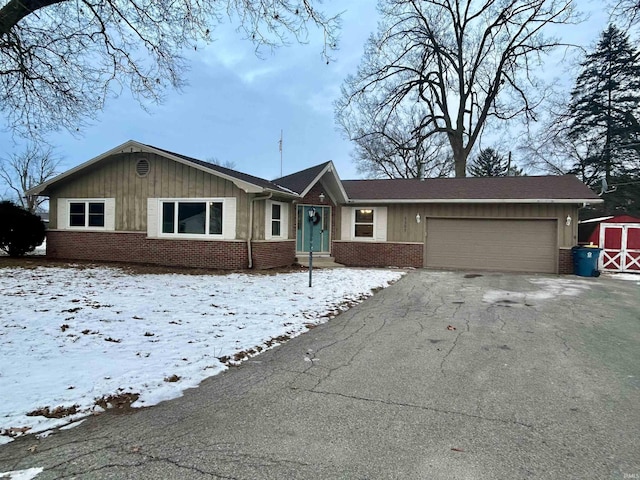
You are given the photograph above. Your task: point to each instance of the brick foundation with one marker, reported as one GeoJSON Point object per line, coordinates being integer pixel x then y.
{"type": "Point", "coordinates": [273, 254]}
{"type": "Point", "coordinates": [133, 247]}
{"type": "Point", "coordinates": [565, 261]}
{"type": "Point", "coordinates": [378, 254]}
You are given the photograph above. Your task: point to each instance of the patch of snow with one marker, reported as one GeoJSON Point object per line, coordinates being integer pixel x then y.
{"type": "Point", "coordinates": [632, 277]}
{"type": "Point", "coordinates": [71, 336]}
{"type": "Point", "coordinates": [27, 474]}
{"type": "Point", "coordinates": [286, 189]}
{"type": "Point", "coordinates": [549, 288]}
{"type": "Point", "coordinates": [40, 249]}
{"type": "Point", "coordinates": [596, 220]}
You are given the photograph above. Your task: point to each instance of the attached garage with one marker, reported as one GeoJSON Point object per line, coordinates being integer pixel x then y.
{"type": "Point", "coordinates": [492, 244]}
{"type": "Point", "coordinates": [513, 224]}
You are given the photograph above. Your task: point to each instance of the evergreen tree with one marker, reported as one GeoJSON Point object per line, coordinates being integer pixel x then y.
{"type": "Point", "coordinates": [604, 109]}
{"type": "Point", "coordinates": [489, 163]}
{"type": "Point", "coordinates": [20, 230]}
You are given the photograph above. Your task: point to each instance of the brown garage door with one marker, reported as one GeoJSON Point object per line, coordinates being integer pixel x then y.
{"type": "Point", "coordinates": [504, 245]}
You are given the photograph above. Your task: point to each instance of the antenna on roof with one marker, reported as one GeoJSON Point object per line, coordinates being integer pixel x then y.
{"type": "Point", "coordinates": [280, 147]}
{"type": "Point", "coordinates": [605, 188]}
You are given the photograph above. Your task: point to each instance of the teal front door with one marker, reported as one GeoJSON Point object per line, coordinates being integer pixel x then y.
{"type": "Point", "coordinates": [309, 234]}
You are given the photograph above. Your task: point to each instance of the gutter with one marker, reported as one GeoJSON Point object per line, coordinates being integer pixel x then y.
{"type": "Point", "coordinates": [475, 200]}
{"type": "Point", "coordinates": [250, 236]}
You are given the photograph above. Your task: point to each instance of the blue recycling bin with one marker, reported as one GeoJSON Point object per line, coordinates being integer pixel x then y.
{"type": "Point", "coordinates": [585, 261]}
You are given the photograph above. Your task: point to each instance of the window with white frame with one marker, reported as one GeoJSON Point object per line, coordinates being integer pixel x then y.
{"type": "Point", "coordinates": [86, 213]}
{"type": "Point", "coordinates": [363, 224]}
{"type": "Point", "coordinates": [192, 217]}
{"type": "Point", "coordinates": [276, 222]}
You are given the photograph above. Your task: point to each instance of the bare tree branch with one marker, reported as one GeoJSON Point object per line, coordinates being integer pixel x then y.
{"type": "Point", "coordinates": [468, 63]}
{"type": "Point", "coordinates": [395, 147]}
{"type": "Point", "coordinates": [625, 12]}
{"type": "Point", "coordinates": [23, 171]}
{"type": "Point", "coordinates": [61, 59]}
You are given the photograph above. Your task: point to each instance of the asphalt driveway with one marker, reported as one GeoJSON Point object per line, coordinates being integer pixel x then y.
{"type": "Point", "coordinates": [441, 376]}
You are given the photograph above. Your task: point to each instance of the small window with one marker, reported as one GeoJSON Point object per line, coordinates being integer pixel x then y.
{"type": "Point", "coordinates": [276, 226]}
{"type": "Point", "coordinates": [86, 214]}
{"type": "Point", "coordinates": [192, 218]}
{"type": "Point", "coordinates": [276, 219]}
{"type": "Point", "coordinates": [215, 218]}
{"type": "Point", "coordinates": [168, 217]}
{"type": "Point", "coordinates": [364, 223]}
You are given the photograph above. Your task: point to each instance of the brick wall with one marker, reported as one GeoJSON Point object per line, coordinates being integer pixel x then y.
{"type": "Point", "coordinates": [137, 248]}
{"type": "Point", "coordinates": [230, 255]}
{"type": "Point", "coordinates": [378, 254]}
{"type": "Point", "coordinates": [273, 254]}
{"type": "Point", "coordinates": [565, 261]}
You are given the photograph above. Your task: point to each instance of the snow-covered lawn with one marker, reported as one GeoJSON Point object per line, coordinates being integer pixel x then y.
{"type": "Point", "coordinates": [71, 338]}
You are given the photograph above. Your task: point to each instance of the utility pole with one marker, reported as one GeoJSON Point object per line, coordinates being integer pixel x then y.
{"type": "Point", "coordinates": [280, 146]}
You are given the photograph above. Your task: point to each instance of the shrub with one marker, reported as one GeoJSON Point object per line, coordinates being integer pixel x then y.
{"type": "Point", "coordinates": [20, 230]}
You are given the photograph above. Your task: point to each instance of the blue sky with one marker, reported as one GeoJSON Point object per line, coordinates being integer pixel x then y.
{"type": "Point", "coordinates": [236, 104]}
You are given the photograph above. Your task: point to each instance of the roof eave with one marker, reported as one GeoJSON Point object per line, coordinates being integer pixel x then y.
{"type": "Point", "coordinates": [132, 145]}
{"type": "Point", "coordinates": [247, 187]}
{"type": "Point", "coordinates": [477, 200]}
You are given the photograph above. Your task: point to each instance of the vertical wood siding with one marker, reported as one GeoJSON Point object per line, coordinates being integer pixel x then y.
{"type": "Point", "coordinates": [259, 215]}
{"type": "Point", "coordinates": [116, 177]}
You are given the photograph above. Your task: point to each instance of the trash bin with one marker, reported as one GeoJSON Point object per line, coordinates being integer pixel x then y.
{"type": "Point", "coordinates": [585, 261]}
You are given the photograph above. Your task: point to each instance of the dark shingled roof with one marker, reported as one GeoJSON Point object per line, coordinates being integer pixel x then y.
{"type": "Point", "coordinates": [260, 182]}
{"type": "Point", "coordinates": [565, 187]}
{"type": "Point", "coordinates": [299, 181]}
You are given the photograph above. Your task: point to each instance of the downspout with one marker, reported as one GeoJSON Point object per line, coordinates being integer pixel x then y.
{"type": "Point", "coordinates": [250, 239]}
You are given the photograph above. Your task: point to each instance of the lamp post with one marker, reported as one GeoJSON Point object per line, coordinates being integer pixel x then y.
{"type": "Point", "coordinates": [311, 219]}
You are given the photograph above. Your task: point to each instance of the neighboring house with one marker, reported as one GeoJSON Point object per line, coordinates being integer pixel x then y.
{"type": "Point", "coordinates": [138, 203]}
{"type": "Point", "coordinates": [619, 238]}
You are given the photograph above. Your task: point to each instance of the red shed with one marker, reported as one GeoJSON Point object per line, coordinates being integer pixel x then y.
{"type": "Point", "coordinates": [619, 237]}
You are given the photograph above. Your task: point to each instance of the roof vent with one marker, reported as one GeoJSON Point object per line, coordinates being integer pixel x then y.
{"type": "Point", "coordinates": [142, 167]}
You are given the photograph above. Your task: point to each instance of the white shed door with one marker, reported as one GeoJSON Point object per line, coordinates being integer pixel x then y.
{"type": "Point", "coordinates": [492, 244]}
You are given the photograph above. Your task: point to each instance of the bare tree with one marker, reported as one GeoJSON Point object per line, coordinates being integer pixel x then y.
{"type": "Point", "coordinates": [61, 59]}
{"type": "Point", "coordinates": [231, 165]}
{"type": "Point", "coordinates": [546, 148]}
{"type": "Point", "coordinates": [550, 149]}
{"type": "Point", "coordinates": [465, 62]}
{"type": "Point", "coordinates": [395, 148]}
{"type": "Point", "coordinates": [24, 170]}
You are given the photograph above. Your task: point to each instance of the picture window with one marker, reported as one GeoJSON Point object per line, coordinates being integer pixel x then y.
{"type": "Point", "coordinates": [192, 218]}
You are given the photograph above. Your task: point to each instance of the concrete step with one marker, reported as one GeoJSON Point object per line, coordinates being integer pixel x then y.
{"type": "Point", "coordinates": [319, 262]}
